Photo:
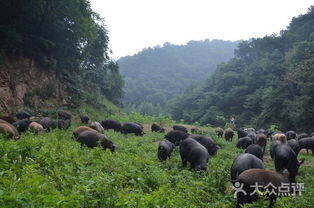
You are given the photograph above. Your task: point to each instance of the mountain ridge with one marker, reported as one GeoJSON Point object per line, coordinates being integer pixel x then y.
{"type": "Point", "coordinates": [155, 74]}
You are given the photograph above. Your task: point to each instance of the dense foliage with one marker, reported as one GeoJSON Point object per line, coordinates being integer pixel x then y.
{"type": "Point", "coordinates": [53, 170]}
{"type": "Point", "coordinates": [65, 36]}
{"type": "Point", "coordinates": [156, 75]}
{"type": "Point", "coordinates": [270, 81]}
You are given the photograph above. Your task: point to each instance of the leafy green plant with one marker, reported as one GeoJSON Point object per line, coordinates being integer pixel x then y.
{"type": "Point", "coordinates": [53, 170]}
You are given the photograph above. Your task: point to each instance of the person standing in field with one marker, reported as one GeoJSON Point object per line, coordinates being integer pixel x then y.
{"type": "Point", "coordinates": [232, 123]}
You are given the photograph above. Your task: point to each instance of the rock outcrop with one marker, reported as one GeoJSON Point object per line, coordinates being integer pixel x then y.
{"type": "Point", "coordinates": [23, 83]}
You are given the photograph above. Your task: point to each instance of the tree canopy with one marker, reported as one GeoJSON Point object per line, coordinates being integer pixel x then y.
{"type": "Point", "coordinates": [155, 76]}
{"type": "Point", "coordinates": [65, 36]}
{"type": "Point", "coordinates": [268, 82]}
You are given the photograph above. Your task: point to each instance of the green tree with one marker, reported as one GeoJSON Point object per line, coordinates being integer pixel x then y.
{"type": "Point", "coordinates": [158, 75]}
{"type": "Point", "coordinates": [64, 36]}
{"type": "Point", "coordinates": [268, 82]}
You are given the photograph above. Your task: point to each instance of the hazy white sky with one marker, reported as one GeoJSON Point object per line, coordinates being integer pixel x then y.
{"type": "Point", "coordinates": [137, 24]}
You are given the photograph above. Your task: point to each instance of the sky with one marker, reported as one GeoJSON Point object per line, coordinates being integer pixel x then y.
{"type": "Point", "coordinates": [137, 24]}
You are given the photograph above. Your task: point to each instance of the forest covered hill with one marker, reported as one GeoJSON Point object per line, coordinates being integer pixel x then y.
{"type": "Point", "coordinates": [63, 43]}
{"type": "Point", "coordinates": [154, 76]}
{"type": "Point", "coordinates": [268, 82]}
{"type": "Point", "coordinates": [59, 49]}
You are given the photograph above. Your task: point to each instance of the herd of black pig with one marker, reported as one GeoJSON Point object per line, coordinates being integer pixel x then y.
{"type": "Point", "coordinates": [247, 169]}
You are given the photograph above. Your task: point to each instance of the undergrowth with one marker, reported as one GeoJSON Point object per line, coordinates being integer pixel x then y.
{"type": "Point", "coordinates": [52, 170]}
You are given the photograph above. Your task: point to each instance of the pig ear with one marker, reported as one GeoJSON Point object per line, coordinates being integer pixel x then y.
{"type": "Point", "coordinates": [301, 162]}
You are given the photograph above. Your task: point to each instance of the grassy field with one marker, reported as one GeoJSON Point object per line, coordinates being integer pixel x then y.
{"type": "Point", "coordinates": [52, 170]}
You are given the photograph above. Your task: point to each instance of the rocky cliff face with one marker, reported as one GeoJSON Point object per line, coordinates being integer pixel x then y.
{"type": "Point", "coordinates": [23, 83]}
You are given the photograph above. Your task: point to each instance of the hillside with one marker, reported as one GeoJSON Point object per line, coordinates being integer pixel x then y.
{"type": "Point", "coordinates": [54, 53]}
{"type": "Point", "coordinates": [156, 75]}
{"type": "Point", "coordinates": [54, 56]}
{"type": "Point", "coordinates": [268, 82]}
{"type": "Point", "coordinates": [54, 170]}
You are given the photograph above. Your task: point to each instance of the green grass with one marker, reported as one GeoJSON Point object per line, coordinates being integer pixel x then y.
{"type": "Point", "coordinates": [52, 170]}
